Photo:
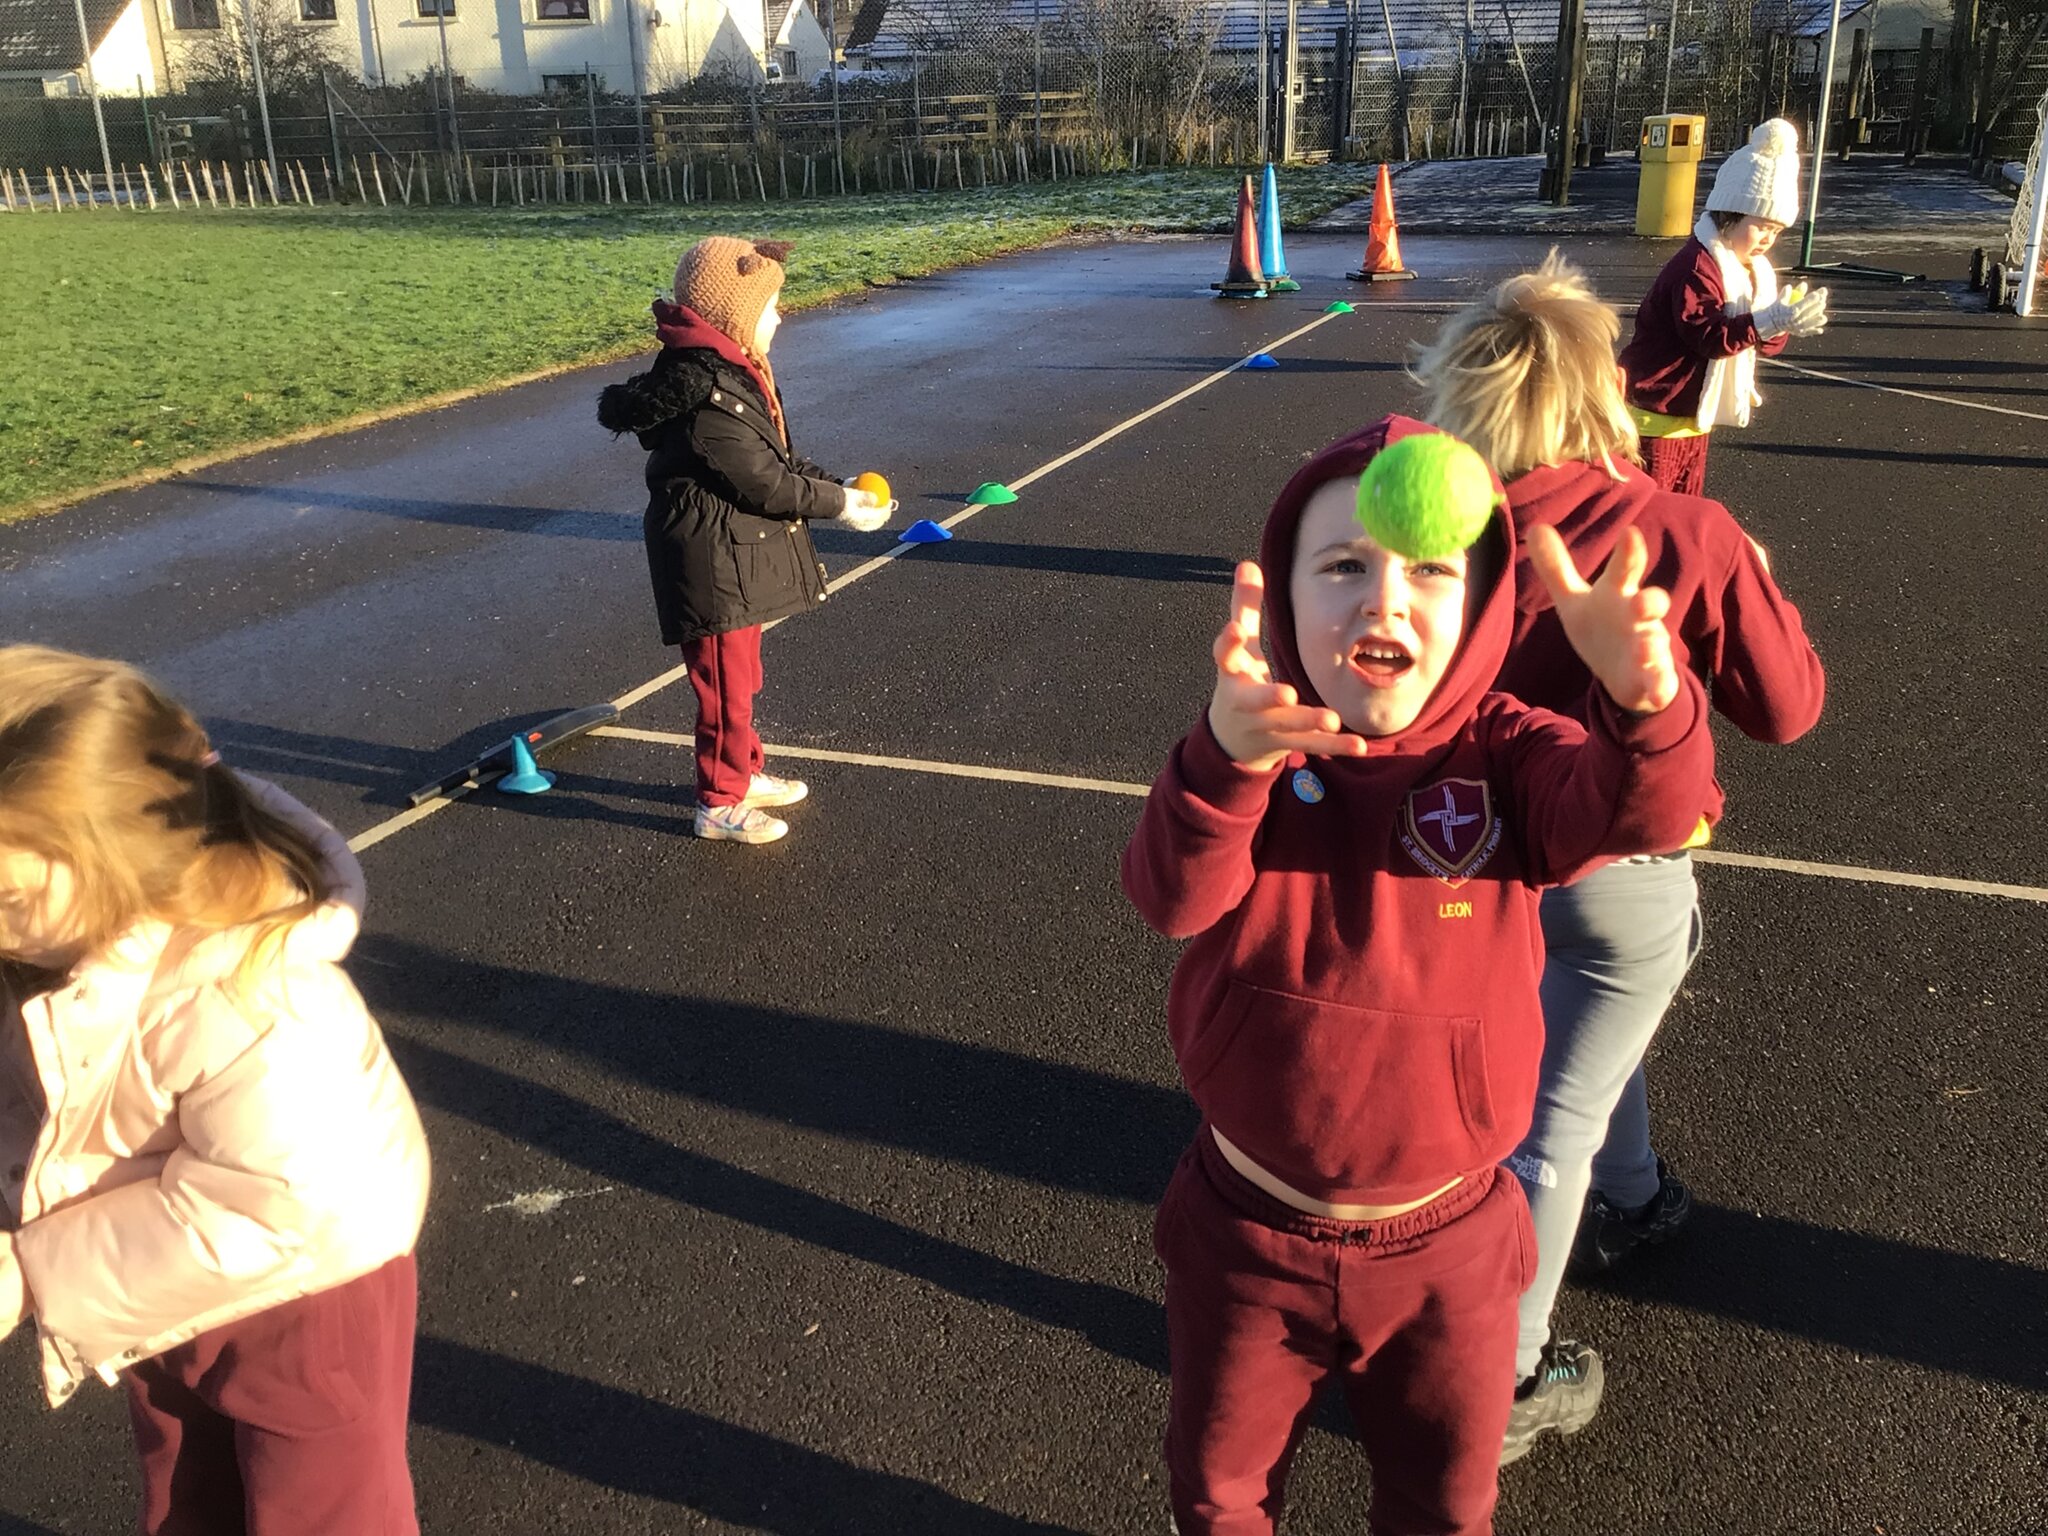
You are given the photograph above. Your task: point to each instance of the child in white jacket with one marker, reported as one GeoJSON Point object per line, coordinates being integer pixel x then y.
{"type": "Point", "coordinates": [211, 1174]}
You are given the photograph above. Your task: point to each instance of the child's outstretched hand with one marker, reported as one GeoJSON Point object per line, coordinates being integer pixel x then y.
{"type": "Point", "coordinates": [863, 512]}
{"type": "Point", "coordinates": [1616, 624]}
{"type": "Point", "coordinates": [1256, 720]}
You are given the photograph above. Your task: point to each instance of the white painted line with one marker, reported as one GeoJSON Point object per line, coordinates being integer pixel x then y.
{"type": "Point", "coordinates": [1911, 394]}
{"type": "Point", "coordinates": [901, 764]}
{"type": "Point", "coordinates": [1857, 872]}
{"type": "Point", "coordinates": [1850, 872]}
{"type": "Point", "coordinates": [395, 825]}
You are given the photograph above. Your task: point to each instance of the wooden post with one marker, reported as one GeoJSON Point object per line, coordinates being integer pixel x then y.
{"type": "Point", "coordinates": [171, 186]}
{"type": "Point", "coordinates": [1859, 55]}
{"type": "Point", "coordinates": [193, 192]}
{"type": "Point", "coordinates": [646, 194]}
{"type": "Point", "coordinates": [356, 166]}
{"type": "Point", "coordinates": [227, 177]}
{"type": "Point", "coordinates": [377, 176]}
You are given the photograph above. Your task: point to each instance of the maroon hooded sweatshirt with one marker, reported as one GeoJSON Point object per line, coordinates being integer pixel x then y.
{"type": "Point", "coordinates": [1358, 1009]}
{"type": "Point", "coordinates": [1739, 634]}
{"type": "Point", "coordinates": [1682, 325]}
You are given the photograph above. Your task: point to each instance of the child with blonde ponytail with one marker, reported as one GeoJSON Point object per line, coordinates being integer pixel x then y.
{"type": "Point", "coordinates": [211, 1174]}
{"type": "Point", "coordinates": [1528, 377]}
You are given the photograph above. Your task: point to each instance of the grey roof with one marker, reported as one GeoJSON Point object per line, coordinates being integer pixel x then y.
{"type": "Point", "coordinates": [43, 34]}
{"type": "Point", "coordinates": [1420, 26]}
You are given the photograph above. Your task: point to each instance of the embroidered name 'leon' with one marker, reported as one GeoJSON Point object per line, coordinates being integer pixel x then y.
{"type": "Point", "coordinates": [1454, 909]}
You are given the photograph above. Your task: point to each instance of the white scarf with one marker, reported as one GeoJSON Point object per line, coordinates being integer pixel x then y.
{"type": "Point", "coordinates": [1729, 389]}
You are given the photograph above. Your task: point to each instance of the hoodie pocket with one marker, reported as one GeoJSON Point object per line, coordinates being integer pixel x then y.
{"type": "Point", "coordinates": [1364, 1097]}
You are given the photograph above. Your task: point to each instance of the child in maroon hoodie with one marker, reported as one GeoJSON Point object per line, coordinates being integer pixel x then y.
{"type": "Point", "coordinates": [1715, 309]}
{"type": "Point", "coordinates": [1527, 376]}
{"type": "Point", "coordinates": [1357, 1012]}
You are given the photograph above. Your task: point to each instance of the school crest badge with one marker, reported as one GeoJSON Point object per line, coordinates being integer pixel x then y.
{"type": "Point", "coordinates": [1449, 828]}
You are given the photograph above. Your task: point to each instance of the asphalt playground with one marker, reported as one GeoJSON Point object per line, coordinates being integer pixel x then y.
{"type": "Point", "coordinates": [808, 1190]}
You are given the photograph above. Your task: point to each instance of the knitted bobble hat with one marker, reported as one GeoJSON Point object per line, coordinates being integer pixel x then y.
{"type": "Point", "coordinates": [1762, 177]}
{"type": "Point", "coordinates": [731, 282]}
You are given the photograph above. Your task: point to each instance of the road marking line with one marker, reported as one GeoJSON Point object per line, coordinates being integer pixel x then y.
{"type": "Point", "coordinates": [1857, 872]}
{"type": "Point", "coordinates": [1911, 394]}
{"type": "Point", "coordinates": [901, 764]}
{"type": "Point", "coordinates": [1850, 872]}
{"type": "Point", "coordinates": [654, 685]}
{"type": "Point", "coordinates": [395, 825]}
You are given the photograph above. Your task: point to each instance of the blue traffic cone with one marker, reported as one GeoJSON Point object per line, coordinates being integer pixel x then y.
{"type": "Point", "coordinates": [525, 779]}
{"type": "Point", "coordinates": [1271, 257]}
{"type": "Point", "coordinates": [924, 531]}
{"type": "Point", "coordinates": [1262, 360]}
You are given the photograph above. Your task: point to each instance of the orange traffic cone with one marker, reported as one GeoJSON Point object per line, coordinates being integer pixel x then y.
{"type": "Point", "coordinates": [1383, 238]}
{"type": "Point", "coordinates": [1246, 279]}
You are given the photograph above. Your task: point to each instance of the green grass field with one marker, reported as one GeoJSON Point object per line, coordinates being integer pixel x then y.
{"type": "Point", "coordinates": [136, 341]}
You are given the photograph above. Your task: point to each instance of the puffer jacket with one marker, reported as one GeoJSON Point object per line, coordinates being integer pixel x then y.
{"type": "Point", "coordinates": [181, 1148]}
{"type": "Point", "coordinates": [728, 501]}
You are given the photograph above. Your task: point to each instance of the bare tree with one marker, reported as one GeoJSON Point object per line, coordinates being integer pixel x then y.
{"type": "Point", "coordinates": [294, 55]}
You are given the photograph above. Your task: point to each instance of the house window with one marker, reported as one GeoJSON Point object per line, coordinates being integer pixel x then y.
{"type": "Point", "coordinates": [437, 7]}
{"type": "Point", "coordinates": [316, 10]}
{"type": "Point", "coordinates": [562, 10]}
{"type": "Point", "coordinates": [195, 15]}
{"type": "Point", "coordinates": [562, 85]}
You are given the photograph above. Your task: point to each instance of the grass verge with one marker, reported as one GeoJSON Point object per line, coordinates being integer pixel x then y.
{"type": "Point", "coordinates": [137, 344]}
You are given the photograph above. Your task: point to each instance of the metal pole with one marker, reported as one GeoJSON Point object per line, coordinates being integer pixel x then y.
{"type": "Point", "coordinates": [1290, 65]}
{"type": "Point", "coordinates": [333, 123]}
{"type": "Point", "coordinates": [262, 98]}
{"type": "Point", "coordinates": [1037, 77]}
{"type": "Point", "coordinates": [639, 91]}
{"type": "Point", "coordinates": [2030, 257]}
{"type": "Point", "coordinates": [1265, 82]}
{"type": "Point", "coordinates": [1819, 148]}
{"type": "Point", "coordinates": [832, 60]}
{"type": "Point", "coordinates": [92, 89]}
{"type": "Point", "coordinates": [1400, 85]}
{"type": "Point", "coordinates": [447, 77]}
{"type": "Point", "coordinates": [1670, 50]}
{"type": "Point", "coordinates": [1464, 77]}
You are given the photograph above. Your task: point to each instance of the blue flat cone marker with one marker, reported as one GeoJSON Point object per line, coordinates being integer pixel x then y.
{"type": "Point", "coordinates": [1340, 308]}
{"type": "Point", "coordinates": [525, 779]}
{"type": "Point", "coordinates": [1261, 360]}
{"type": "Point", "coordinates": [1271, 259]}
{"type": "Point", "coordinates": [925, 531]}
{"type": "Point", "coordinates": [992, 494]}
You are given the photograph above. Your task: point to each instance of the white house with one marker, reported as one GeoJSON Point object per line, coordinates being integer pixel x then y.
{"type": "Point", "coordinates": [516, 47]}
{"type": "Point", "coordinates": [42, 54]}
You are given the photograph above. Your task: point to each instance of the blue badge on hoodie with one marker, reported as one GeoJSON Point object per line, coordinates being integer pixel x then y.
{"type": "Point", "coordinates": [1308, 789]}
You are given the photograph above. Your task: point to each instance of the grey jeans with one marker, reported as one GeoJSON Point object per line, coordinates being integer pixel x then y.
{"type": "Point", "coordinates": [1619, 943]}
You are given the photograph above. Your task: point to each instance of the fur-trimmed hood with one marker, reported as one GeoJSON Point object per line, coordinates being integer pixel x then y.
{"type": "Point", "coordinates": [676, 385]}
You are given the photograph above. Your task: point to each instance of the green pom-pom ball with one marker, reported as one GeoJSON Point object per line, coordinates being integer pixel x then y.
{"type": "Point", "coordinates": [1426, 497]}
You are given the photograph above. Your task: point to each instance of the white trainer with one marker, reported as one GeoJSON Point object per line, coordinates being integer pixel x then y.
{"type": "Point", "coordinates": [766, 792]}
{"type": "Point", "coordinates": [737, 824]}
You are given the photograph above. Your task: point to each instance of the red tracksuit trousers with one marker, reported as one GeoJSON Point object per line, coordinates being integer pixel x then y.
{"type": "Point", "coordinates": [1678, 464]}
{"type": "Point", "coordinates": [725, 674]}
{"type": "Point", "coordinates": [1414, 1318]}
{"type": "Point", "coordinates": [288, 1423]}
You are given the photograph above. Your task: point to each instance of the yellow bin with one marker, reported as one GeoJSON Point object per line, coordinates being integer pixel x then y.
{"type": "Point", "coordinates": [1670, 154]}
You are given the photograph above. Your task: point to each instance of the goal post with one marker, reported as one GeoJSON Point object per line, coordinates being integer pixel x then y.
{"type": "Point", "coordinates": [2023, 241]}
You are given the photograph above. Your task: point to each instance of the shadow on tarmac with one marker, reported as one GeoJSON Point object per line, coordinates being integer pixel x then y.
{"type": "Point", "coordinates": [550, 522]}
{"type": "Point", "coordinates": [1899, 456]}
{"type": "Point", "coordinates": [1111, 1319]}
{"type": "Point", "coordinates": [1068, 1128]}
{"type": "Point", "coordinates": [653, 1450]}
{"type": "Point", "coordinates": [1071, 560]}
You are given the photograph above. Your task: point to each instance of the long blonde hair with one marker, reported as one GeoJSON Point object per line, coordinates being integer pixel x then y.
{"type": "Point", "coordinates": [1527, 374]}
{"type": "Point", "coordinates": [100, 770]}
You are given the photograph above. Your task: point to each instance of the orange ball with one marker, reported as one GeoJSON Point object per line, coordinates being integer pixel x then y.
{"type": "Point", "coordinates": [874, 485]}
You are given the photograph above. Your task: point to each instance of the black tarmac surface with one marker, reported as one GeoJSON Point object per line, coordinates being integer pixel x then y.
{"type": "Point", "coordinates": [860, 1133]}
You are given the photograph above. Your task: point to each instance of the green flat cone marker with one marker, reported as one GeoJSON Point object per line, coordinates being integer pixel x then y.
{"type": "Point", "coordinates": [1283, 285]}
{"type": "Point", "coordinates": [992, 494]}
{"type": "Point", "coordinates": [1340, 308]}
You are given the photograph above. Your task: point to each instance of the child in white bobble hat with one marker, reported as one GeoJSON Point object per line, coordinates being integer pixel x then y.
{"type": "Point", "coordinates": [1714, 309]}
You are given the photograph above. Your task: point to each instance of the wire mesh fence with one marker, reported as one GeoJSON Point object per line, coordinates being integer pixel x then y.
{"type": "Point", "coordinates": [233, 103]}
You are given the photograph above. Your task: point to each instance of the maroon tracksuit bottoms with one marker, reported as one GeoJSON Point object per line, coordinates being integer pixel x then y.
{"type": "Point", "coordinates": [1414, 1317]}
{"type": "Point", "coordinates": [288, 1423]}
{"type": "Point", "coordinates": [725, 674]}
{"type": "Point", "coordinates": [1678, 464]}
